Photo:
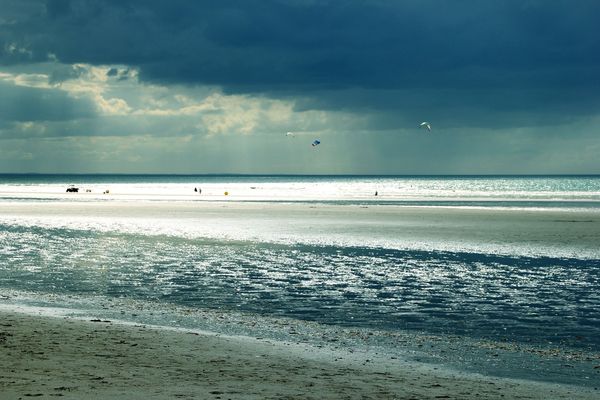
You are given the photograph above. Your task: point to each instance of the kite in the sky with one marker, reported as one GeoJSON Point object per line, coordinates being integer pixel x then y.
{"type": "Point", "coordinates": [425, 125]}
{"type": "Point", "coordinates": [289, 134]}
{"type": "Point", "coordinates": [316, 143]}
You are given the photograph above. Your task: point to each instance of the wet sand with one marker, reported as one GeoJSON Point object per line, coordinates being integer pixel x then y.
{"type": "Point", "coordinates": [56, 357]}
{"type": "Point", "coordinates": [51, 357]}
{"type": "Point", "coordinates": [547, 232]}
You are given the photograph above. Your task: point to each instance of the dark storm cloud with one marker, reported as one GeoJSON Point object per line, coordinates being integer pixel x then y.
{"type": "Point", "coordinates": [23, 104]}
{"type": "Point", "coordinates": [509, 55]}
{"type": "Point", "coordinates": [119, 74]}
{"type": "Point", "coordinates": [60, 73]}
{"type": "Point", "coordinates": [468, 107]}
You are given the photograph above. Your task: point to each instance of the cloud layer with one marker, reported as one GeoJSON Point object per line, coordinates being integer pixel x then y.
{"type": "Point", "coordinates": [510, 87]}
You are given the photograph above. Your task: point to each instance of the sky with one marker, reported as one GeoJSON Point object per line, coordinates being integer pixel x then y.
{"type": "Point", "coordinates": [208, 87]}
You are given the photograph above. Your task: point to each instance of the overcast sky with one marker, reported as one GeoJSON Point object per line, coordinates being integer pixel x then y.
{"type": "Point", "coordinates": [186, 86]}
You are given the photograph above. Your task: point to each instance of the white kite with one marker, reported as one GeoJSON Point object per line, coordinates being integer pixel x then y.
{"type": "Point", "coordinates": [426, 125]}
{"type": "Point", "coordinates": [289, 134]}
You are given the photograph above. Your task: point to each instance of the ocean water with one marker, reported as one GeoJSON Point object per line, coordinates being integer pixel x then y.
{"type": "Point", "coordinates": [467, 304]}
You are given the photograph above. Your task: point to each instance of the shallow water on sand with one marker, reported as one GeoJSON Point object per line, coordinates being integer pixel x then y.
{"type": "Point", "coordinates": [485, 296]}
{"type": "Point", "coordinates": [505, 299]}
{"type": "Point", "coordinates": [490, 305]}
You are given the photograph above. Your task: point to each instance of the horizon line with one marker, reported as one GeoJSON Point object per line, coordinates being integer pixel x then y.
{"type": "Point", "coordinates": [292, 175]}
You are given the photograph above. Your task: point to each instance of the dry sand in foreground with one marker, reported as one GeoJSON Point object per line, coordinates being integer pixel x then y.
{"type": "Point", "coordinates": [50, 357]}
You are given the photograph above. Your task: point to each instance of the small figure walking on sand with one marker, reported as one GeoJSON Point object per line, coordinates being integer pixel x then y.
{"type": "Point", "coordinates": [376, 193]}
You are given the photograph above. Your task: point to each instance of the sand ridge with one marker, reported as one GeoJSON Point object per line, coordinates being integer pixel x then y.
{"type": "Point", "coordinates": [548, 232]}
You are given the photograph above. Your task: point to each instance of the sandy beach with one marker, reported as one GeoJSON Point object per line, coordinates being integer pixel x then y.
{"type": "Point", "coordinates": [51, 357]}
{"type": "Point", "coordinates": [100, 358]}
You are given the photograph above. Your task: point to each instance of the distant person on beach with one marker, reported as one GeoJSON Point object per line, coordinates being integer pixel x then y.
{"type": "Point", "coordinates": [376, 193]}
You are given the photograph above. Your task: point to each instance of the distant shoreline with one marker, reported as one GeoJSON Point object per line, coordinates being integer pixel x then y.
{"type": "Point", "coordinates": [527, 192]}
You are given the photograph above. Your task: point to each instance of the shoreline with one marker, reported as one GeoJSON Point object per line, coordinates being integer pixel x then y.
{"type": "Point", "coordinates": [588, 202]}
{"type": "Point", "coordinates": [539, 362]}
{"type": "Point", "coordinates": [57, 356]}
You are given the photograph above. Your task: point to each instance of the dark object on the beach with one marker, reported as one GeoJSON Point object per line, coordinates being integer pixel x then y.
{"type": "Point", "coordinates": [375, 193]}
{"type": "Point", "coordinates": [72, 189]}
{"type": "Point", "coordinates": [195, 189]}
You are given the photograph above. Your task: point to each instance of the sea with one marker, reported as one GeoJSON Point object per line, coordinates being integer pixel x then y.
{"type": "Point", "coordinates": [469, 306]}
